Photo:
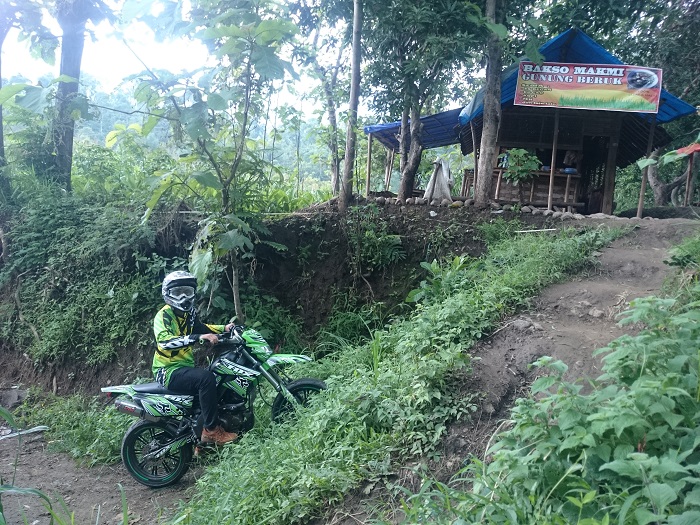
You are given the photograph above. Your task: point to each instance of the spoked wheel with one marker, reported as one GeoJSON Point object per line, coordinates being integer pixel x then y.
{"type": "Point", "coordinates": [148, 461]}
{"type": "Point", "coordinates": [302, 390]}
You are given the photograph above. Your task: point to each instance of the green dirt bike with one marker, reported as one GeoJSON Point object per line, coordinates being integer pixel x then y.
{"type": "Point", "coordinates": [157, 449]}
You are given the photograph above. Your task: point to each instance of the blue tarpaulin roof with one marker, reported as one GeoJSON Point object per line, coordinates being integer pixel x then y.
{"type": "Point", "coordinates": [438, 130]}
{"type": "Point", "coordinates": [572, 46]}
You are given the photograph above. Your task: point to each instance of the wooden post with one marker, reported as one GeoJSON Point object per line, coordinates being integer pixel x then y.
{"type": "Point", "coordinates": [553, 166]}
{"type": "Point", "coordinates": [369, 162]}
{"type": "Point", "coordinates": [465, 183]}
{"type": "Point", "coordinates": [498, 184]}
{"type": "Point", "coordinates": [609, 181]}
{"type": "Point", "coordinates": [643, 189]}
{"type": "Point", "coordinates": [389, 170]}
{"type": "Point", "coordinates": [476, 159]}
{"type": "Point", "coordinates": [686, 201]}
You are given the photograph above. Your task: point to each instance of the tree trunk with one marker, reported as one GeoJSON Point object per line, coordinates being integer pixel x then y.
{"type": "Point", "coordinates": [236, 289]}
{"type": "Point", "coordinates": [408, 175]}
{"type": "Point", "coordinates": [404, 137]}
{"type": "Point", "coordinates": [492, 107]}
{"type": "Point", "coordinates": [662, 190]}
{"type": "Point", "coordinates": [350, 141]}
{"type": "Point", "coordinates": [328, 89]}
{"type": "Point", "coordinates": [72, 18]}
{"type": "Point", "coordinates": [4, 29]}
{"type": "Point", "coordinates": [5, 189]}
{"type": "Point", "coordinates": [333, 139]}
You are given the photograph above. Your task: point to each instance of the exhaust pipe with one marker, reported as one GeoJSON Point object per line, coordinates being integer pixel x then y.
{"type": "Point", "coordinates": [132, 409]}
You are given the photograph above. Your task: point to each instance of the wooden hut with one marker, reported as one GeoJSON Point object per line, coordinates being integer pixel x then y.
{"type": "Point", "coordinates": [580, 148]}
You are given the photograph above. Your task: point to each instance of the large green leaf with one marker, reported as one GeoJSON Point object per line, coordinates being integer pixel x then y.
{"type": "Point", "coordinates": [35, 99]}
{"type": "Point", "coordinates": [643, 163]}
{"type": "Point", "coordinates": [234, 240]}
{"type": "Point", "coordinates": [200, 260]}
{"type": "Point", "coordinates": [207, 179]}
{"type": "Point", "coordinates": [624, 468]}
{"type": "Point", "coordinates": [268, 64]}
{"type": "Point", "coordinates": [499, 29]}
{"type": "Point", "coordinates": [216, 102]}
{"type": "Point", "coordinates": [271, 31]}
{"type": "Point", "coordinates": [10, 91]}
{"type": "Point", "coordinates": [194, 120]}
{"type": "Point", "coordinates": [533, 53]}
{"type": "Point", "coordinates": [66, 79]}
{"type": "Point", "coordinates": [152, 121]}
{"type": "Point", "coordinates": [690, 517]}
{"type": "Point", "coordinates": [7, 416]}
{"type": "Point", "coordinates": [662, 495]}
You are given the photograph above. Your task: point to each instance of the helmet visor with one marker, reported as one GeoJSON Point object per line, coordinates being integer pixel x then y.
{"type": "Point", "coordinates": [180, 293]}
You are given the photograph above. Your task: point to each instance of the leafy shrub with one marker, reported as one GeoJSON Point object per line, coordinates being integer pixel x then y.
{"type": "Point", "coordinates": [274, 322]}
{"type": "Point", "coordinates": [372, 247]}
{"type": "Point", "coordinates": [627, 452]}
{"type": "Point", "coordinates": [351, 322]}
{"type": "Point", "coordinates": [521, 168]}
{"type": "Point", "coordinates": [497, 230]}
{"type": "Point", "coordinates": [441, 279]}
{"type": "Point", "coordinates": [83, 278]}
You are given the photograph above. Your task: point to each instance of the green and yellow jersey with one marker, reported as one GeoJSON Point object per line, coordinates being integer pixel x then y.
{"type": "Point", "coordinates": [175, 340]}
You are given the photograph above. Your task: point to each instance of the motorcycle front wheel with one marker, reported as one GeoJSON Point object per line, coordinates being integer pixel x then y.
{"type": "Point", "coordinates": [302, 390]}
{"type": "Point", "coordinates": [140, 453]}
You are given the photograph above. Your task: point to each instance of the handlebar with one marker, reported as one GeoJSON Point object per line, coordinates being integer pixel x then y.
{"type": "Point", "coordinates": [233, 335]}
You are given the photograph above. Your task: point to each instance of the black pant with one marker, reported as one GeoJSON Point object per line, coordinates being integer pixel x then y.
{"type": "Point", "coordinates": [193, 381]}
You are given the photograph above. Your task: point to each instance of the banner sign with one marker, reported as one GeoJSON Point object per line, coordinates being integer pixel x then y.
{"type": "Point", "coordinates": [610, 87]}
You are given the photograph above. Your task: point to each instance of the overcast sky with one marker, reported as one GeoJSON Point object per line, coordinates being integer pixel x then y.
{"type": "Point", "coordinates": [107, 58]}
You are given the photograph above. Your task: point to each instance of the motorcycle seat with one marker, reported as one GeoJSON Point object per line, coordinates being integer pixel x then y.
{"type": "Point", "coordinates": [152, 388]}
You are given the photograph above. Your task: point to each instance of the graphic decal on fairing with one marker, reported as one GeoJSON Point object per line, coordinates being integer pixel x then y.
{"type": "Point", "coordinates": [287, 359]}
{"type": "Point", "coordinates": [228, 367]}
{"type": "Point", "coordinates": [161, 406]}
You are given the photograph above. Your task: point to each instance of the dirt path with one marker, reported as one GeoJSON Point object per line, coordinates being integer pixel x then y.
{"type": "Point", "coordinates": [568, 321]}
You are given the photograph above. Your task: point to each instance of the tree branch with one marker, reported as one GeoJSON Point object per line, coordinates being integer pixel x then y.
{"type": "Point", "coordinates": [134, 112]}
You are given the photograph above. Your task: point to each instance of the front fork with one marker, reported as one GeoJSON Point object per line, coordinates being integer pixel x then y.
{"type": "Point", "coordinates": [272, 377]}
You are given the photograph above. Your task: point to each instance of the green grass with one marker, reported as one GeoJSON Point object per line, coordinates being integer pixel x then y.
{"type": "Point", "coordinates": [388, 399]}
{"type": "Point", "coordinates": [79, 425]}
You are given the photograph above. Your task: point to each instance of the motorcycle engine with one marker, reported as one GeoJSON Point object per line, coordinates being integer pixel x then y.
{"type": "Point", "coordinates": [236, 420]}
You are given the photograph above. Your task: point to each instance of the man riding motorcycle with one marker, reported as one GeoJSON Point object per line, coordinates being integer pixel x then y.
{"type": "Point", "coordinates": [177, 330]}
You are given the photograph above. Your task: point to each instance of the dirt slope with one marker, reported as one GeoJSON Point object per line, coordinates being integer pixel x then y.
{"type": "Point", "coordinates": [568, 321]}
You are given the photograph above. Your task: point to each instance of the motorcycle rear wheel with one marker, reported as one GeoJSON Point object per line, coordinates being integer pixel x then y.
{"type": "Point", "coordinates": [144, 437]}
{"type": "Point", "coordinates": [302, 390]}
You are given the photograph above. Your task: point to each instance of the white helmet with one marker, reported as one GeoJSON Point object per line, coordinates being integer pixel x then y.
{"type": "Point", "coordinates": [179, 289]}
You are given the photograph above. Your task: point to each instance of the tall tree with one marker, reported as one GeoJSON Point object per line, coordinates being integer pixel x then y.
{"type": "Point", "coordinates": [326, 26]}
{"type": "Point", "coordinates": [495, 14]}
{"type": "Point", "coordinates": [351, 137]}
{"type": "Point", "coordinates": [213, 116]}
{"type": "Point", "coordinates": [24, 16]}
{"type": "Point", "coordinates": [414, 48]}
{"type": "Point", "coordinates": [72, 16]}
{"type": "Point", "coordinates": [329, 82]}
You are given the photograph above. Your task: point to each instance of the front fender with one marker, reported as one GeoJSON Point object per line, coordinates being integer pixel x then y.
{"type": "Point", "coordinates": [286, 359]}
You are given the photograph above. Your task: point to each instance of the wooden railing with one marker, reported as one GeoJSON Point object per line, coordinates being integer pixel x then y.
{"type": "Point", "coordinates": [536, 191]}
